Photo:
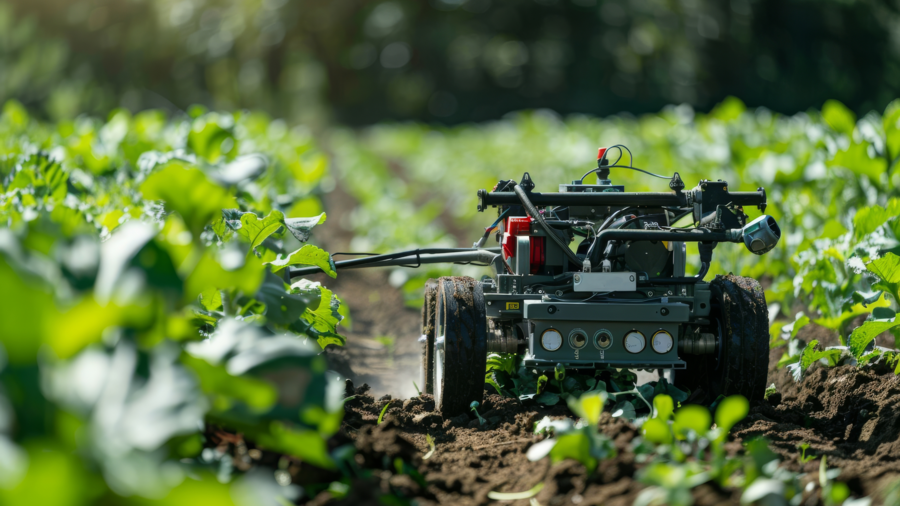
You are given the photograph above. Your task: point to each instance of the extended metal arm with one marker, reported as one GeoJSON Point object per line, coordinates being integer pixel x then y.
{"type": "Point", "coordinates": [616, 199]}
{"type": "Point", "coordinates": [414, 258]}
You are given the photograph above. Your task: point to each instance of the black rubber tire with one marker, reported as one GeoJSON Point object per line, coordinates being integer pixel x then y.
{"type": "Point", "coordinates": [461, 319]}
{"type": "Point", "coordinates": [741, 361]}
{"type": "Point", "coordinates": [427, 378]}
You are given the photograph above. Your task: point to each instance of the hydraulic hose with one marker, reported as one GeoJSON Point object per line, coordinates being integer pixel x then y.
{"type": "Point", "coordinates": [536, 216]}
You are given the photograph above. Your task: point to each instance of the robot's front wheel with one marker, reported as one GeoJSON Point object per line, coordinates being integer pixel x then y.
{"type": "Point", "coordinates": [460, 344]}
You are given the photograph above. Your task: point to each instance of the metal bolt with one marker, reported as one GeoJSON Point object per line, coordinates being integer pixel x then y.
{"type": "Point", "coordinates": [489, 303]}
{"type": "Point", "coordinates": [577, 278]}
{"type": "Point", "coordinates": [669, 292]}
{"type": "Point", "coordinates": [593, 211]}
{"type": "Point", "coordinates": [664, 311]}
{"type": "Point", "coordinates": [649, 294]}
{"type": "Point", "coordinates": [631, 278]}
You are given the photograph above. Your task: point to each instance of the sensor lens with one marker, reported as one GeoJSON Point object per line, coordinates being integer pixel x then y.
{"type": "Point", "coordinates": [603, 339]}
{"type": "Point", "coordinates": [578, 339]}
{"type": "Point", "coordinates": [551, 340]}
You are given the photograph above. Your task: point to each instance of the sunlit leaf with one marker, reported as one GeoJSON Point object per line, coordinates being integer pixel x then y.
{"type": "Point", "coordinates": [306, 255]}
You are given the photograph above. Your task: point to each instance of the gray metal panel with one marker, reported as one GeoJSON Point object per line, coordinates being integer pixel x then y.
{"type": "Point", "coordinates": [605, 282]}
{"type": "Point", "coordinates": [607, 312]}
{"type": "Point", "coordinates": [616, 354]}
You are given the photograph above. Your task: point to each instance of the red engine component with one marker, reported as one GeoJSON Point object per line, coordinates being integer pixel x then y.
{"type": "Point", "coordinates": [517, 226]}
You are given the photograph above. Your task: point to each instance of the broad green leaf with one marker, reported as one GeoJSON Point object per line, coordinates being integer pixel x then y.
{"type": "Point", "coordinates": [547, 398]}
{"type": "Point", "coordinates": [85, 323]}
{"type": "Point", "coordinates": [211, 299]}
{"type": "Point", "coordinates": [868, 219]}
{"type": "Point", "coordinates": [306, 255]}
{"type": "Point", "coordinates": [839, 117]}
{"type": "Point", "coordinates": [891, 123]}
{"type": "Point", "coordinates": [255, 230]}
{"type": "Point", "coordinates": [187, 191]}
{"type": "Point", "coordinates": [209, 273]}
{"type": "Point", "coordinates": [810, 355]}
{"type": "Point", "coordinates": [837, 322]}
{"type": "Point", "coordinates": [320, 322]}
{"type": "Point", "coordinates": [865, 333]}
{"type": "Point", "coordinates": [258, 395]}
{"type": "Point", "coordinates": [887, 268]}
{"type": "Point", "coordinates": [656, 431]}
{"type": "Point", "coordinates": [624, 409]}
{"type": "Point", "coordinates": [663, 407]}
{"type": "Point", "coordinates": [864, 298]}
{"type": "Point", "coordinates": [588, 406]}
{"type": "Point", "coordinates": [800, 321]}
{"type": "Point", "coordinates": [301, 227]}
{"type": "Point", "coordinates": [282, 306]}
{"type": "Point", "coordinates": [574, 445]}
{"type": "Point", "coordinates": [692, 417]}
{"type": "Point", "coordinates": [731, 410]}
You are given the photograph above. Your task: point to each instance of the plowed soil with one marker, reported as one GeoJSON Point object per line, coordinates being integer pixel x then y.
{"type": "Point", "coordinates": [850, 415]}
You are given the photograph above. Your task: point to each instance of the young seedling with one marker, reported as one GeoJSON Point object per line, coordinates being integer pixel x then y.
{"type": "Point", "coordinates": [418, 392]}
{"type": "Point", "coordinates": [383, 411]}
{"type": "Point", "coordinates": [430, 441]}
{"type": "Point", "coordinates": [474, 406]}
{"type": "Point", "coordinates": [804, 458]}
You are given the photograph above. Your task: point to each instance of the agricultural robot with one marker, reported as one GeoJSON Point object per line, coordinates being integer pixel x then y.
{"type": "Point", "coordinates": [593, 277]}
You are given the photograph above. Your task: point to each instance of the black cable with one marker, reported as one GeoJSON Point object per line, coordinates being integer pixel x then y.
{"type": "Point", "coordinates": [390, 256]}
{"type": "Point", "coordinates": [588, 173]}
{"type": "Point", "coordinates": [536, 216]}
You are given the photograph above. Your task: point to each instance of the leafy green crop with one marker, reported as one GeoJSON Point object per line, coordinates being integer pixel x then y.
{"type": "Point", "coordinates": [143, 304]}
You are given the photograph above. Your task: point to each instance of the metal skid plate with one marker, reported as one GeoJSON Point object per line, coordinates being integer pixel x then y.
{"type": "Point", "coordinates": [605, 282]}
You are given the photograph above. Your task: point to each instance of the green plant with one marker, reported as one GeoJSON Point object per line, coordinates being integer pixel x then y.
{"type": "Point", "coordinates": [580, 441]}
{"type": "Point", "coordinates": [140, 253]}
{"type": "Point", "coordinates": [431, 447]}
{"type": "Point", "coordinates": [474, 407]}
{"type": "Point", "coordinates": [383, 411]}
{"type": "Point", "coordinates": [803, 458]}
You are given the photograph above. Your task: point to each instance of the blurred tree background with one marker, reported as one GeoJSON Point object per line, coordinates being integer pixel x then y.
{"type": "Point", "coordinates": [361, 61]}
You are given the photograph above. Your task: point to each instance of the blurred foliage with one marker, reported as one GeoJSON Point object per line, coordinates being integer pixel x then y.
{"type": "Point", "coordinates": [118, 358]}
{"type": "Point", "coordinates": [362, 61]}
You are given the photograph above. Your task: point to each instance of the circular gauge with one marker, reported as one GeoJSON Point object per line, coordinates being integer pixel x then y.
{"type": "Point", "coordinates": [662, 342]}
{"type": "Point", "coordinates": [551, 339]}
{"type": "Point", "coordinates": [578, 339]}
{"type": "Point", "coordinates": [603, 339]}
{"type": "Point", "coordinates": [635, 342]}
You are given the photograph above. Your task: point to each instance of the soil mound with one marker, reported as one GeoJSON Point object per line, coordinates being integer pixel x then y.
{"type": "Point", "coordinates": [848, 414]}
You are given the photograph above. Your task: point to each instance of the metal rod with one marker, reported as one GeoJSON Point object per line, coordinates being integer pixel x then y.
{"type": "Point", "coordinates": [410, 258]}
{"type": "Point", "coordinates": [585, 199]}
{"type": "Point", "coordinates": [617, 199]}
